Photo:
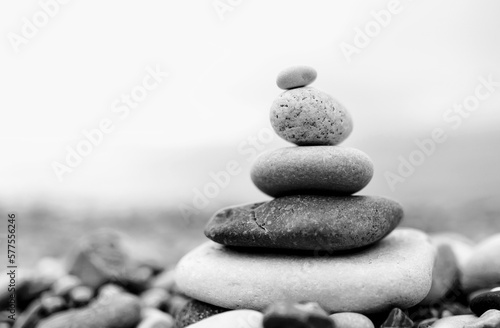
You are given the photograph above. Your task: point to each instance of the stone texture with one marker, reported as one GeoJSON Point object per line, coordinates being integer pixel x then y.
{"type": "Point", "coordinates": [459, 244]}
{"type": "Point", "coordinates": [296, 76]}
{"type": "Point", "coordinates": [232, 319]}
{"type": "Point", "coordinates": [397, 318]}
{"type": "Point", "coordinates": [482, 270]}
{"type": "Point", "coordinates": [397, 271]}
{"type": "Point", "coordinates": [194, 311]}
{"type": "Point", "coordinates": [351, 320]}
{"type": "Point", "coordinates": [327, 170]}
{"type": "Point", "coordinates": [296, 315]}
{"type": "Point", "coordinates": [118, 310]}
{"type": "Point", "coordinates": [427, 323]}
{"type": "Point", "coordinates": [485, 302]}
{"type": "Point", "coordinates": [306, 222]}
{"type": "Point", "coordinates": [306, 116]}
{"type": "Point", "coordinates": [457, 321]}
{"type": "Point", "coordinates": [490, 319]}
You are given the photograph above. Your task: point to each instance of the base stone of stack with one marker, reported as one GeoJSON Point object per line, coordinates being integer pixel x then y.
{"type": "Point", "coordinates": [396, 272]}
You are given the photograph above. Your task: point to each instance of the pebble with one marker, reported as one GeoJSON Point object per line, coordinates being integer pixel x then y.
{"type": "Point", "coordinates": [397, 271]}
{"type": "Point", "coordinates": [484, 302]}
{"type": "Point", "coordinates": [459, 244]}
{"type": "Point", "coordinates": [153, 318]}
{"type": "Point", "coordinates": [427, 323]}
{"type": "Point", "coordinates": [307, 222]}
{"type": "Point", "coordinates": [397, 318]}
{"type": "Point", "coordinates": [351, 320]}
{"type": "Point", "coordinates": [232, 319]}
{"type": "Point", "coordinates": [99, 258]}
{"type": "Point", "coordinates": [482, 270]}
{"type": "Point", "coordinates": [176, 303]}
{"type": "Point", "coordinates": [194, 311]}
{"type": "Point", "coordinates": [307, 116]}
{"type": "Point", "coordinates": [65, 284]}
{"type": "Point", "coordinates": [164, 280]}
{"type": "Point", "coordinates": [80, 296]}
{"type": "Point", "coordinates": [300, 315]}
{"type": "Point", "coordinates": [108, 311]}
{"type": "Point", "coordinates": [155, 298]}
{"type": "Point", "coordinates": [52, 304]}
{"type": "Point", "coordinates": [444, 275]}
{"type": "Point", "coordinates": [457, 321]}
{"type": "Point", "coordinates": [490, 319]}
{"type": "Point", "coordinates": [296, 76]}
{"type": "Point", "coordinates": [326, 170]}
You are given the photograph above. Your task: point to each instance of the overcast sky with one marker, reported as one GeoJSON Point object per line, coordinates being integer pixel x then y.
{"type": "Point", "coordinates": [214, 65]}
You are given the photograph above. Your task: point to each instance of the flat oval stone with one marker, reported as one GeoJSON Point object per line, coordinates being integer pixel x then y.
{"type": "Point", "coordinates": [328, 170]}
{"type": "Point", "coordinates": [397, 271]}
{"type": "Point", "coordinates": [484, 302]}
{"type": "Point", "coordinates": [306, 222]}
{"type": "Point", "coordinates": [482, 270]}
{"type": "Point", "coordinates": [351, 320]}
{"type": "Point", "coordinates": [307, 116]}
{"type": "Point", "coordinates": [296, 76]}
{"type": "Point", "coordinates": [232, 319]}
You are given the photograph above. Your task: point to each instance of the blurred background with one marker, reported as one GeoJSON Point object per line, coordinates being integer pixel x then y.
{"type": "Point", "coordinates": [125, 114]}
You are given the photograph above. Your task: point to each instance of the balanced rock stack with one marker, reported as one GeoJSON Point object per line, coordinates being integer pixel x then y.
{"type": "Point", "coordinates": [314, 241]}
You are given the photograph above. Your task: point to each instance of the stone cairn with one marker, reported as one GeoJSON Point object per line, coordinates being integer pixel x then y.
{"type": "Point", "coordinates": [315, 241]}
{"type": "Point", "coordinates": [315, 256]}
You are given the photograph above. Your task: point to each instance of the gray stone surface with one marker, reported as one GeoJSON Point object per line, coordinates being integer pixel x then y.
{"type": "Point", "coordinates": [328, 170]}
{"type": "Point", "coordinates": [296, 76]}
{"type": "Point", "coordinates": [397, 271]}
{"type": "Point", "coordinates": [307, 222]}
{"type": "Point", "coordinates": [307, 116]}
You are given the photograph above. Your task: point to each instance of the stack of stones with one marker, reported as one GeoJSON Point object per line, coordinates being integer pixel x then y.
{"type": "Point", "coordinates": [314, 241]}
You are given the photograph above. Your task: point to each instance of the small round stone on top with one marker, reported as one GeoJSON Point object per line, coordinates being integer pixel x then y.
{"type": "Point", "coordinates": [295, 77]}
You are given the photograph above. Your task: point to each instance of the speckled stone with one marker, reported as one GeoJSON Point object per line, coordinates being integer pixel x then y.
{"type": "Point", "coordinates": [296, 315]}
{"type": "Point", "coordinates": [296, 76]}
{"type": "Point", "coordinates": [232, 319]}
{"type": "Point", "coordinates": [485, 302]}
{"type": "Point", "coordinates": [397, 271]}
{"type": "Point", "coordinates": [195, 311]}
{"type": "Point", "coordinates": [351, 320]}
{"type": "Point", "coordinates": [327, 170]}
{"type": "Point", "coordinates": [306, 116]}
{"type": "Point", "coordinates": [306, 222]}
{"type": "Point", "coordinates": [482, 270]}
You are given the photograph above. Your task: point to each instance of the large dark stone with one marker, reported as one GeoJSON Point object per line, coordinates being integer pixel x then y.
{"type": "Point", "coordinates": [307, 222]}
{"type": "Point", "coordinates": [484, 302]}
